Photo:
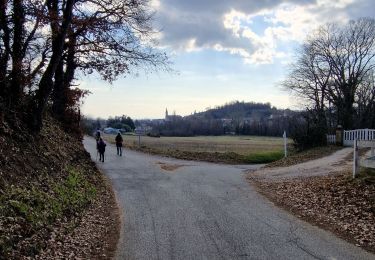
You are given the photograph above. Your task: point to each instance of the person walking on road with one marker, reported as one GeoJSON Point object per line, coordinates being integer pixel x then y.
{"type": "Point", "coordinates": [119, 141]}
{"type": "Point", "coordinates": [97, 135]}
{"type": "Point", "coordinates": [101, 149]}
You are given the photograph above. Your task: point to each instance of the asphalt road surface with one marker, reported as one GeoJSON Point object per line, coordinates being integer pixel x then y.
{"type": "Point", "coordinates": [175, 209]}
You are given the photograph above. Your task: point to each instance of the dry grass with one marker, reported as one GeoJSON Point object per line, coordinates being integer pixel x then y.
{"type": "Point", "coordinates": [242, 145]}
{"type": "Point", "coordinates": [218, 149]}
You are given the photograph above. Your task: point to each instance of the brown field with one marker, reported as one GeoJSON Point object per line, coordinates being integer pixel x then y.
{"type": "Point", "coordinates": [242, 145]}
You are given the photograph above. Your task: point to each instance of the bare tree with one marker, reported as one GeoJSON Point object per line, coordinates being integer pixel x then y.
{"type": "Point", "coordinates": [111, 38]}
{"type": "Point", "coordinates": [310, 79]}
{"type": "Point", "coordinates": [19, 24]}
{"type": "Point", "coordinates": [60, 17]}
{"type": "Point", "coordinates": [365, 102]}
{"type": "Point", "coordinates": [44, 42]}
{"type": "Point", "coordinates": [333, 65]}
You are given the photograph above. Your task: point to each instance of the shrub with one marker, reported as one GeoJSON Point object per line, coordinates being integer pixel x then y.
{"type": "Point", "coordinates": [310, 132]}
{"type": "Point", "coordinates": [74, 193]}
{"type": "Point", "coordinates": [264, 157]}
{"type": "Point", "coordinates": [153, 134]}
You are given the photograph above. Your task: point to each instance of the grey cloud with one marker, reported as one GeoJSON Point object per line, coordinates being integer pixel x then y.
{"type": "Point", "coordinates": [220, 6]}
{"type": "Point", "coordinates": [202, 20]}
{"type": "Point", "coordinates": [182, 20]}
{"type": "Point", "coordinates": [361, 8]}
{"type": "Point", "coordinates": [206, 28]}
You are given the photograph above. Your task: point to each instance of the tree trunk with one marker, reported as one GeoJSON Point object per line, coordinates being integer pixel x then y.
{"type": "Point", "coordinates": [4, 57]}
{"type": "Point", "coordinates": [348, 112]}
{"type": "Point", "coordinates": [16, 85]}
{"type": "Point", "coordinates": [58, 94]}
{"type": "Point", "coordinates": [46, 82]}
{"type": "Point", "coordinates": [322, 121]}
{"type": "Point", "coordinates": [63, 82]}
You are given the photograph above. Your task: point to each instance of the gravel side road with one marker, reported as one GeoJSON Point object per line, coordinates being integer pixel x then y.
{"type": "Point", "coordinates": [175, 209]}
{"type": "Point", "coordinates": [333, 163]}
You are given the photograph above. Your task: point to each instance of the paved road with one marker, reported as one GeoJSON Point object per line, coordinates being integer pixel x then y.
{"type": "Point", "coordinates": [206, 211]}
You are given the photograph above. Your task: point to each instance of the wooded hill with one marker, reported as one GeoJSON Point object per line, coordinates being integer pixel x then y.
{"type": "Point", "coordinates": [244, 118]}
{"type": "Point", "coordinates": [241, 110]}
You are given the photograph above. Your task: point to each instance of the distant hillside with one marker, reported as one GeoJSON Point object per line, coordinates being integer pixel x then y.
{"type": "Point", "coordinates": [240, 110]}
{"type": "Point", "coordinates": [232, 118]}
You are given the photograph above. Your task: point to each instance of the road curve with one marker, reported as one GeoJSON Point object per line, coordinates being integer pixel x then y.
{"type": "Point", "coordinates": [206, 211]}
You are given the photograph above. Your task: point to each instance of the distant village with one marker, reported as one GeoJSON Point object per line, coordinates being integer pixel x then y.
{"type": "Point", "coordinates": [235, 118]}
{"type": "Point", "coordinates": [251, 118]}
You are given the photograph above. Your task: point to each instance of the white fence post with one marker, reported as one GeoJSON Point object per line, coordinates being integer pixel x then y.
{"type": "Point", "coordinates": [285, 145]}
{"type": "Point", "coordinates": [355, 159]}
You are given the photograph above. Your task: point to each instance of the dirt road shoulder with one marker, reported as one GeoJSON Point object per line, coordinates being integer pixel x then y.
{"type": "Point", "coordinates": [324, 195]}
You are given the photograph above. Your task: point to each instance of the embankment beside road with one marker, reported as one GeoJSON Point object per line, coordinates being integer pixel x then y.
{"type": "Point", "coordinates": [54, 202]}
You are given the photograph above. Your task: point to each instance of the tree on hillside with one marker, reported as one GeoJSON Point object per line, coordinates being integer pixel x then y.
{"type": "Point", "coordinates": [334, 67]}
{"type": "Point", "coordinates": [59, 19]}
{"type": "Point", "coordinates": [44, 43]}
{"type": "Point", "coordinates": [110, 39]}
{"type": "Point", "coordinates": [18, 48]}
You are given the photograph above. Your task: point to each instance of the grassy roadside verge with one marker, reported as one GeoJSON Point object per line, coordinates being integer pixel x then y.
{"type": "Point", "coordinates": [93, 235]}
{"type": "Point", "coordinates": [54, 202]}
{"type": "Point", "coordinates": [29, 211]}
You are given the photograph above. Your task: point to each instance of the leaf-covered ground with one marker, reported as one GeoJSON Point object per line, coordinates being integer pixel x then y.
{"type": "Point", "coordinates": [335, 202]}
{"type": "Point", "coordinates": [54, 203]}
{"type": "Point", "coordinates": [93, 236]}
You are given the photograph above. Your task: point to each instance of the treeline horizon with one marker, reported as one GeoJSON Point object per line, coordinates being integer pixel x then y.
{"type": "Point", "coordinates": [239, 118]}
{"type": "Point", "coordinates": [235, 117]}
{"type": "Point", "coordinates": [232, 118]}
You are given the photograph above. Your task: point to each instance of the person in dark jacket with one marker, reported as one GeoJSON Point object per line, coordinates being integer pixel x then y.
{"type": "Point", "coordinates": [97, 135]}
{"type": "Point", "coordinates": [119, 141]}
{"type": "Point", "coordinates": [101, 149]}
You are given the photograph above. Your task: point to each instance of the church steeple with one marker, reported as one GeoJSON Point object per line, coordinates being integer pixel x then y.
{"type": "Point", "coordinates": [166, 113]}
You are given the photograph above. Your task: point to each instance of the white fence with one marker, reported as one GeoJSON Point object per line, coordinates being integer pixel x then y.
{"type": "Point", "coordinates": [368, 162]}
{"type": "Point", "coordinates": [331, 139]}
{"type": "Point", "coordinates": [359, 134]}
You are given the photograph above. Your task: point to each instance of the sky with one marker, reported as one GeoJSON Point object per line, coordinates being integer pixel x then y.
{"type": "Point", "coordinates": [221, 51]}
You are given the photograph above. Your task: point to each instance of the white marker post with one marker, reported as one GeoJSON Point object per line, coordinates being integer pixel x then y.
{"type": "Point", "coordinates": [285, 144]}
{"type": "Point", "coordinates": [355, 158]}
{"type": "Point", "coordinates": [139, 132]}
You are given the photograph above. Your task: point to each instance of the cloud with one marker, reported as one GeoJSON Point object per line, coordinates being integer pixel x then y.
{"type": "Point", "coordinates": [253, 30]}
